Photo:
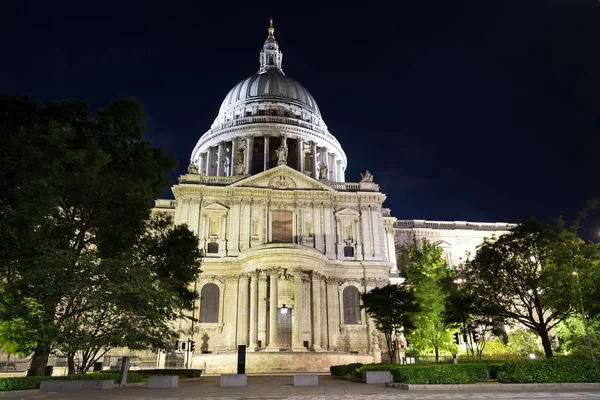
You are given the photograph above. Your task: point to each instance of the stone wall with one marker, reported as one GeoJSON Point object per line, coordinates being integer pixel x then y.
{"type": "Point", "coordinates": [262, 362]}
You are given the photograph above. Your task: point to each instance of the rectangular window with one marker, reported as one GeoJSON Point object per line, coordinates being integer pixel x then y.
{"type": "Point", "coordinates": [281, 226]}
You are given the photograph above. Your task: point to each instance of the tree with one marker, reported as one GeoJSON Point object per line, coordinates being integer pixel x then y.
{"type": "Point", "coordinates": [81, 202]}
{"type": "Point", "coordinates": [526, 276]}
{"type": "Point", "coordinates": [461, 310]}
{"type": "Point", "coordinates": [427, 274]}
{"type": "Point", "coordinates": [390, 307]}
{"type": "Point", "coordinates": [122, 309]}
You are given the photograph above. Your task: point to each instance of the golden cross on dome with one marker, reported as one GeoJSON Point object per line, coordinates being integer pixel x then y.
{"type": "Point", "coordinates": [271, 30]}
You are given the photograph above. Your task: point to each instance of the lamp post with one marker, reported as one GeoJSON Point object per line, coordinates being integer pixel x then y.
{"type": "Point", "coordinates": [459, 282]}
{"type": "Point", "coordinates": [587, 331]}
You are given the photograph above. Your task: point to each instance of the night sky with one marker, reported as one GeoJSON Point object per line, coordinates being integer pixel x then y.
{"type": "Point", "coordinates": [462, 110]}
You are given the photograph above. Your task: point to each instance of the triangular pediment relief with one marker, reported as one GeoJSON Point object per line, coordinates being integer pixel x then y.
{"type": "Point", "coordinates": [347, 212]}
{"type": "Point", "coordinates": [282, 177]}
{"type": "Point", "coordinates": [216, 207]}
{"type": "Point", "coordinates": [443, 244]}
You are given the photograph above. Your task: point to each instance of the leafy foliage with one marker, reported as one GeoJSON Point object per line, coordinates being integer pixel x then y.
{"type": "Point", "coordinates": [81, 262]}
{"type": "Point", "coordinates": [440, 374]}
{"type": "Point", "coordinates": [390, 307]}
{"type": "Point", "coordinates": [560, 370]}
{"type": "Point", "coordinates": [526, 276]}
{"type": "Point", "coordinates": [427, 274]}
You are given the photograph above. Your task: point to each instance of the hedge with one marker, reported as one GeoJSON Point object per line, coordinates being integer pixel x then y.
{"type": "Point", "coordinates": [440, 374]}
{"type": "Point", "coordinates": [33, 382]}
{"type": "Point", "coordinates": [557, 370]}
{"type": "Point", "coordinates": [354, 369]}
{"type": "Point", "coordinates": [182, 373]}
{"type": "Point", "coordinates": [420, 374]}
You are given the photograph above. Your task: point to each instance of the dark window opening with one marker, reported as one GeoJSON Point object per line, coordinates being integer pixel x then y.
{"type": "Point", "coordinates": [209, 303]}
{"type": "Point", "coordinates": [281, 226]}
{"type": "Point", "coordinates": [348, 251]}
{"type": "Point", "coordinates": [351, 306]}
{"type": "Point", "coordinates": [212, 248]}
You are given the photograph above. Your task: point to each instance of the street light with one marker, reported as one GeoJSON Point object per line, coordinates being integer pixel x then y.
{"type": "Point", "coordinates": [587, 331]}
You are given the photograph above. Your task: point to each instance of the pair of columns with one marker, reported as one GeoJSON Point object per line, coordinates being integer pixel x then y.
{"type": "Point", "coordinates": [297, 342]}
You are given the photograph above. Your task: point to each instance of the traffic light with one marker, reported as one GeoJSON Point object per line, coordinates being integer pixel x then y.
{"type": "Point", "coordinates": [476, 337]}
{"type": "Point", "coordinates": [176, 345]}
{"type": "Point", "coordinates": [192, 346]}
{"type": "Point", "coordinates": [407, 343]}
{"type": "Point", "coordinates": [456, 341]}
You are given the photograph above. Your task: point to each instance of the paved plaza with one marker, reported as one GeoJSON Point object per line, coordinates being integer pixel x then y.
{"type": "Point", "coordinates": [280, 387]}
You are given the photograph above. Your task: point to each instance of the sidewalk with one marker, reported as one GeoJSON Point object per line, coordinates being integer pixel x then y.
{"type": "Point", "coordinates": [281, 387]}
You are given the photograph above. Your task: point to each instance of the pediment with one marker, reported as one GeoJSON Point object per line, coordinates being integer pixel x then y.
{"type": "Point", "coordinates": [282, 177]}
{"type": "Point", "coordinates": [443, 244]}
{"type": "Point", "coordinates": [348, 213]}
{"type": "Point", "coordinates": [215, 207]}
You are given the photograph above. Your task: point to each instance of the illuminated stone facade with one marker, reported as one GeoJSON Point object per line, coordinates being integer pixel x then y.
{"type": "Point", "coordinates": [289, 245]}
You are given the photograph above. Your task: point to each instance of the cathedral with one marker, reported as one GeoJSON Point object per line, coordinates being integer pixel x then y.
{"type": "Point", "coordinates": [289, 244]}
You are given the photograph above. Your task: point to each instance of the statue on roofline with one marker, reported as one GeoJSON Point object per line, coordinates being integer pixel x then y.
{"type": "Point", "coordinates": [192, 169]}
{"type": "Point", "coordinates": [282, 153]}
{"type": "Point", "coordinates": [367, 177]}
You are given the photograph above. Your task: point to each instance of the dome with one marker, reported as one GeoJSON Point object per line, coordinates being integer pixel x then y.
{"type": "Point", "coordinates": [271, 85]}
{"type": "Point", "coordinates": [267, 120]}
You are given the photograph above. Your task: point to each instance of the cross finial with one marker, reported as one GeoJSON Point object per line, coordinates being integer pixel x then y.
{"type": "Point", "coordinates": [271, 30]}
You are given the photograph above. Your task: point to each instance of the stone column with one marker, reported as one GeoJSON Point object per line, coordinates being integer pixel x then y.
{"type": "Point", "coordinates": [209, 161]}
{"type": "Point", "coordinates": [273, 343]}
{"type": "Point", "coordinates": [242, 319]}
{"type": "Point", "coordinates": [233, 155]}
{"type": "Point", "coordinates": [316, 311]}
{"type": "Point", "coordinates": [333, 170]}
{"type": "Point", "coordinates": [266, 155]}
{"type": "Point", "coordinates": [300, 145]}
{"type": "Point", "coordinates": [253, 312]}
{"type": "Point", "coordinates": [221, 155]}
{"type": "Point", "coordinates": [263, 335]}
{"type": "Point", "coordinates": [297, 344]}
{"type": "Point", "coordinates": [249, 145]}
{"type": "Point", "coordinates": [315, 173]}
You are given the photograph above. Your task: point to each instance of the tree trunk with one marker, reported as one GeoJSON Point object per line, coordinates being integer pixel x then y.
{"type": "Point", "coordinates": [71, 363]}
{"type": "Point", "coordinates": [546, 343]}
{"type": "Point", "coordinates": [437, 354]}
{"type": "Point", "coordinates": [39, 360]}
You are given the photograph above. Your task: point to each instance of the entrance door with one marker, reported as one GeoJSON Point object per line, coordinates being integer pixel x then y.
{"type": "Point", "coordinates": [284, 328]}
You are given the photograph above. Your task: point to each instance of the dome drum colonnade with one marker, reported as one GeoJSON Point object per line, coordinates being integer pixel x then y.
{"type": "Point", "coordinates": [267, 120]}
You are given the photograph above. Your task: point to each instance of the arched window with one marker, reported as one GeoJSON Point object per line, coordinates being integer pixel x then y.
{"type": "Point", "coordinates": [351, 300]}
{"type": "Point", "coordinates": [209, 303]}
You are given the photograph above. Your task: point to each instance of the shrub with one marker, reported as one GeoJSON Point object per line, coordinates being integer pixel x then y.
{"type": "Point", "coordinates": [354, 369]}
{"type": "Point", "coordinates": [561, 370]}
{"type": "Point", "coordinates": [33, 382]}
{"type": "Point", "coordinates": [440, 374]}
{"type": "Point", "coordinates": [182, 373]}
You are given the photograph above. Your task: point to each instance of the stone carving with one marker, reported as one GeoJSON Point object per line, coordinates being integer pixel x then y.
{"type": "Point", "coordinates": [282, 153]}
{"type": "Point", "coordinates": [367, 177]}
{"type": "Point", "coordinates": [192, 169]}
{"type": "Point", "coordinates": [239, 168]}
{"type": "Point", "coordinates": [282, 182]}
{"type": "Point", "coordinates": [375, 340]}
{"type": "Point", "coordinates": [323, 172]}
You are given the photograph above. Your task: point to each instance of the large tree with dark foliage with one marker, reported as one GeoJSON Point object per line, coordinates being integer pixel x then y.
{"type": "Point", "coordinates": [75, 196]}
{"type": "Point", "coordinates": [390, 307]}
{"type": "Point", "coordinates": [528, 276]}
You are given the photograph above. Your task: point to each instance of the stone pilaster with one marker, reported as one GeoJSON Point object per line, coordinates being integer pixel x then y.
{"type": "Point", "coordinates": [242, 320]}
{"type": "Point", "coordinates": [316, 311]}
{"type": "Point", "coordinates": [273, 277]}
{"type": "Point", "coordinates": [253, 346]}
{"type": "Point", "coordinates": [221, 158]}
{"type": "Point", "coordinates": [262, 309]}
{"type": "Point", "coordinates": [297, 344]}
{"type": "Point", "coordinates": [230, 313]}
{"type": "Point", "coordinates": [231, 171]}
